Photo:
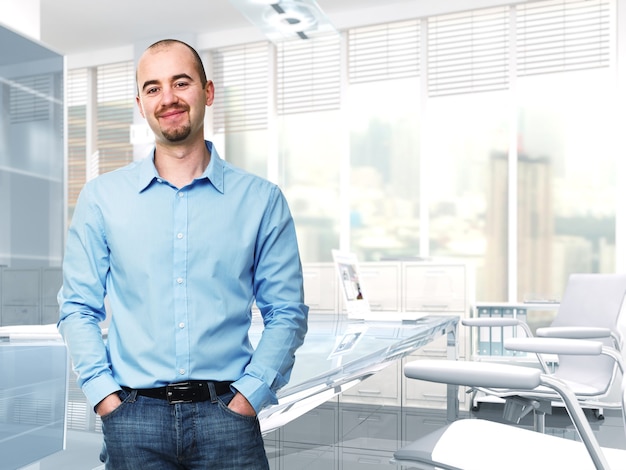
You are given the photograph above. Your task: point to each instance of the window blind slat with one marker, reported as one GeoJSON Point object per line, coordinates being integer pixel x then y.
{"type": "Point", "coordinates": [29, 99]}
{"type": "Point", "coordinates": [76, 94]}
{"type": "Point", "coordinates": [562, 35]}
{"type": "Point", "coordinates": [468, 51]}
{"type": "Point", "coordinates": [384, 52]}
{"type": "Point", "coordinates": [241, 77]}
{"type": "Point", "coordinates": [116, 91]}
{"type": "Point", "coordinates": [308, 75]}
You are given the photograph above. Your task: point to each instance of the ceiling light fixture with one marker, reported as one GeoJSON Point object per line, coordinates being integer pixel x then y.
{"type": "Point", "coordinates": [286, 19]}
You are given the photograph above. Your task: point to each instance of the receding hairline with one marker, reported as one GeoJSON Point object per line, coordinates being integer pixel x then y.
{"type": "Point", "coordinates": [166, 43]}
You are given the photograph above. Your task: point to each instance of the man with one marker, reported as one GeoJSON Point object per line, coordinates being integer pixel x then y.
{"type": "Point", "coordinates": [181, 244]}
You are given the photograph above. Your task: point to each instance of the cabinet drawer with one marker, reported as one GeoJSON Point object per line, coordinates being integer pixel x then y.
{"type": "Point", "coordinates": [434, 288]}
{"type": "Point", "coordinates": [419, 423]}
{"type": "Point", "coordinates": [439, 347]}
{"type": "Point", "coordinates": [366, 428]}
{"type": "Point", "coordinates": [320, 287]}
{"type": "Point", "coordinates": [425, 394]}
{"type": "Point", "coordinates": [383, 388]}
{"type": "Point", "coordinates": [315, 427]}
{"type": "Point", "coordinates": [309, 457]}
{"type": "Point", "coordinates": [365, 459]}
{"type": "Point", "coordinates": [382, 281]}
{"type": "Point", "coordinates": [20, 315]}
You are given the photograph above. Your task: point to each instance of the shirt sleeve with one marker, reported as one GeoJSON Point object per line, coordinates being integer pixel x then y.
{"type": "Point", "coordinates": [81, 300]}
{"type": "Point", "coordinates": [279, 294]}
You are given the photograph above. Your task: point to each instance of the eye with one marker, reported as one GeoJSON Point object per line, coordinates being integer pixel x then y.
{"type": "Point", "coordinates": [181, 84]}
{"type": "Point", "coordinates": [151, 90]}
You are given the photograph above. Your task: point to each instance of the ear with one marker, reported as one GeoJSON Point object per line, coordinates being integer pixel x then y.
{"type": "Point", "coordinates": [140, 106]}
{"type": "Point", "coordinates": [210, 92]}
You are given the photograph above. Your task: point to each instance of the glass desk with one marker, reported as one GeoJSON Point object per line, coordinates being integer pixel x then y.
{"type": "Point", "coordinates": [33, 394]}
{"type": "Point", "coordinates": [339, 353]}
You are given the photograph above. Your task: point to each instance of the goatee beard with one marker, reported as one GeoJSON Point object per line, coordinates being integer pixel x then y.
{"type": "Point", "coordinates": [178, 134]}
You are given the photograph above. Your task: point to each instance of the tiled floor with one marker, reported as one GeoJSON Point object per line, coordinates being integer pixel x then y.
{"type": "Point", "coordinates": [347, 452]}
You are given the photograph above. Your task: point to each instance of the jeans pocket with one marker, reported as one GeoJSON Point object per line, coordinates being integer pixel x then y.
{"type": "Point", "coordinates": [224, 400]}
{"type": "Point", "coordinates": [126, 398]}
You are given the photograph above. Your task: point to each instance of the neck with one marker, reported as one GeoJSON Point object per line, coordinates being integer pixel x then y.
{"type": "Point", "coordinates": [180, 165]}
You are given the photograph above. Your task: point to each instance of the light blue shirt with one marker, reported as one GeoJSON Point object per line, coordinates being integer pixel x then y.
{"type": "Point", "coordinates": [181, 269]}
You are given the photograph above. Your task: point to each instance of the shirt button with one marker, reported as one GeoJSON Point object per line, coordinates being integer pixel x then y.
{"type": "Point", "coordinates": [181, 325]}
{"type": "Point", "coordinates": [179, 280]}
{"type": "Point", "coordinates": [179, 236]}
{"type": "Point", "coordinates": [181, 371]}
{"type": "Point", "coordinates": [181, 195]}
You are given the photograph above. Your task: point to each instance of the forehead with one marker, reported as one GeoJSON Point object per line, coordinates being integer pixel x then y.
{"type": "Point", "coordinates": [164, 62]}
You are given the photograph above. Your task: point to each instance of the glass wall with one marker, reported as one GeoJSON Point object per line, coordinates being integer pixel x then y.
{"type": "Point", "coordinates": [311, 149]}
{"type": "Point", "coordinates": [385, 169]}
{"type": "Point", "coordinates": [467, 184]}
{"type": "Point", "coordinates": [31, 180]}
{"type": "Point", "coordinates": [567, 162]}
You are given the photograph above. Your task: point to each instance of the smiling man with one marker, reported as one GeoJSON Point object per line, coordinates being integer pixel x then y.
{"type": "Point", "coordinates": [182, 244]}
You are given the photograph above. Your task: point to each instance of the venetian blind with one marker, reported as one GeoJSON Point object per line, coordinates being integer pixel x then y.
{"type": "Point", "coordinates": [240, 74]}
{"type": "Point", "coordinates": [309, 75]}
{"type": "Point", "coordinates": [77, 132]}
{"type": "Point", "coordinates": [384, 52]}
{"type": "Point", "coordinates": [115, 105]}
{"type": "Point", "coordinates": [29, 98]}
{"type": "Point", "coordinates": [468, 51]}
{"type": "Point", "coordinates": [562, 35]}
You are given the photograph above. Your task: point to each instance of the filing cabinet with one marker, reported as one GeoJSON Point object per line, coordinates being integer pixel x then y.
{"type": "Point", "coordinates": [382, 388]}
{"type": "Point", "coordinates": [320, 287]}
{"type": "Point", "coordinates": [381, 280]}
{"type": "Point", "coordinates": [434, 287]}
{"type": "Point", "coordinates": [419, 287]}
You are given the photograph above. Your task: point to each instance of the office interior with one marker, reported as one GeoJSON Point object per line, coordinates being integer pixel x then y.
{"type": "Point", "coordinates": [480, 140]}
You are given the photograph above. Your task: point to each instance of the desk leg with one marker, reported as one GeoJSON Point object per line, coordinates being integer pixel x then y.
{"type": "Point", "coordinates": [453, 390]}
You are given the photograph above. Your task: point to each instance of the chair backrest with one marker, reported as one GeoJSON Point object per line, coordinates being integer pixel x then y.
{"type": "Point", "coordinates": [593, 300]}
{"type": "Point", "coordinates": [624, 403]}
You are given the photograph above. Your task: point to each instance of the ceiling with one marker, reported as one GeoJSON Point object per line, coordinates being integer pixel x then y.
{"type": "Point", "coordinates": [79, 26]}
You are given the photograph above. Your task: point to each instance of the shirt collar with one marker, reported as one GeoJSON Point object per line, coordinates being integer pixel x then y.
{"type": "Point", "coordinates": [214, 172]}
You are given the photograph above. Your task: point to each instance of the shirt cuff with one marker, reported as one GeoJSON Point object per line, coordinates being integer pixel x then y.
{"type": "Point", "coordinates": [100, 387]}
{"type": "Point", "coordinates": [256, 392]}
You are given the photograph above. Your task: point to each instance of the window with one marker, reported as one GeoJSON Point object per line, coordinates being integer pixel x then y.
{"type": "Point", "coordinates": [116, 92]}
{"type": "Point", "coordinates": [567, 180]}
{"type": "Point", "coordinates": [77, 134]}
{"type": "Point", "coordinates": [383, 107]}
{"type": "Point", "coordinates": [241, 107]}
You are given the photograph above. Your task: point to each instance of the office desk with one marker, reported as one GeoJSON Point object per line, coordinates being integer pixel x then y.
{"type": "Point", "coordinates": [33, 394]}
{"type": "Point", "coordinates": [339, 353]}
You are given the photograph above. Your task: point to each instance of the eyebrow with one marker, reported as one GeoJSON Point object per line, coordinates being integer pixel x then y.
{"type": "Point", "coordinates": [174, 78]}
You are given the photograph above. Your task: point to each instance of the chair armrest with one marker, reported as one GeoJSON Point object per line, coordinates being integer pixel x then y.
{"type": "Point", "coordinates": [573, 332]}
{"type": "Point", "coordinates": [474, 374]}
{"type": "Point", "coordinates": [554, 346]}
{"type": "Point", "coordinates": [484, 322]}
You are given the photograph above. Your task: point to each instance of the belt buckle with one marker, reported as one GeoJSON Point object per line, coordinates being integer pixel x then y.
{"type": "Point", "coordinates": [179, 393]}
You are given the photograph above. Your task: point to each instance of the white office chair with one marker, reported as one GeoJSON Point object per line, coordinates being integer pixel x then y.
{"type": "Point", "coordinates": [590, 309]}
{"type": "Point", "coordinates": [477, 444]}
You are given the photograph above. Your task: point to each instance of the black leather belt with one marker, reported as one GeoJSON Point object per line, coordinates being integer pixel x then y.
{"type": "Point", "coordinates": [185, 392]}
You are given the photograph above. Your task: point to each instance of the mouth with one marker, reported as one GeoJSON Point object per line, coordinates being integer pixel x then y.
{"type": "Point", "coordinates": [171, 113]}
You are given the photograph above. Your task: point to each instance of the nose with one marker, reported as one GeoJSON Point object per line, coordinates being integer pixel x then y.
{"type": "Point", "coordinates": [168, 95]}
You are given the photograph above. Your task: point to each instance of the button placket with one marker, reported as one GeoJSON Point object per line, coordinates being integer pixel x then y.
{"type": "Point", "coordinates": [181, 255]}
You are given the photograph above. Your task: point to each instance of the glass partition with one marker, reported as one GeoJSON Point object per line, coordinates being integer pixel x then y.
{"type": "Point", "coordinates": [31, 179]}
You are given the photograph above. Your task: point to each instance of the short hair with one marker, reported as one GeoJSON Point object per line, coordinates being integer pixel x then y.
{"type": "Point", "coordinates": [198, 61]}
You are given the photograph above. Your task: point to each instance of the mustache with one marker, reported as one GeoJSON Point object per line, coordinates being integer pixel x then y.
{"type": "Point", "coordinates": [169, 109]}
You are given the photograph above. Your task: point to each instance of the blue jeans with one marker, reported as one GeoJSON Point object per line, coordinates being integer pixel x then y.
{"type": "Point", "coordinates": [150, 434]}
